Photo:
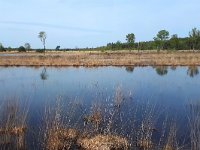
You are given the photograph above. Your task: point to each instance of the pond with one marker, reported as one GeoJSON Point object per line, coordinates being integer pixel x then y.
{"type": "Point", "coordinates": [158, 94]}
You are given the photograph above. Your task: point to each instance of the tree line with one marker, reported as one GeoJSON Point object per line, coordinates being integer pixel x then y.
{"type": "Point", "coordinates": [162, 41]}
{"type": "Point", "coordinates": [27, 47]}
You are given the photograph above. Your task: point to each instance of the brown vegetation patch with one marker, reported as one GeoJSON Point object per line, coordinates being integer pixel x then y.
{"type": "Point", "coordinates": [61, 138]}
{"type": "Point", "coordinates": [13, 131]}
{"type": "Point", "coordinates": [110, 58]}
{"type": "Point", "coordinates": [103, 142]}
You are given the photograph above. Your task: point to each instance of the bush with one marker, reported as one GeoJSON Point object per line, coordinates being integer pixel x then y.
{"type": "Point", "coordinates": [21, 49]}
{"type": "Point", "coordinates": [2, 49]}
{"type": "Point", "coordinates": [57, 48]}
{"type": "Point", "coordinates": [40, 50]}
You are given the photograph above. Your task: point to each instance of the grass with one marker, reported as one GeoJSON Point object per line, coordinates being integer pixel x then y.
{"type": "Point", "coordinates": [194, 123]}
{"type": "Point", "coordinates": [13, 125]}
{"type": "Point", "coordinates": [104, 142]}
{"type": "Point", "coordinates": [107, 126]}
{"type": "Point", "coordinates": [95, 58]}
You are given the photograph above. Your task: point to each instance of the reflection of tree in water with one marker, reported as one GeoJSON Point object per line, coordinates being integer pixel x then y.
{"type": "Point", "coordinates": [173, 68]}
{"type": "Point", "coordinates": [130, 69]}
{"type": "Point", "coordinates": [162, 70]}
{"type": "Point", "coordinates": [44, 74]}
{"type": "Point", "coordinates": [192, 71]}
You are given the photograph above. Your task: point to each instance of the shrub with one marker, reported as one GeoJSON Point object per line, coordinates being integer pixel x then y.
{"type": "Point", "coordinates": [21, 49]}
{"type": "Point", "coordinates": [40, 50]}
{"type": "Point", "coordinates": [2, 49]}
{"type": "Point", "coordinates": [57, 48]}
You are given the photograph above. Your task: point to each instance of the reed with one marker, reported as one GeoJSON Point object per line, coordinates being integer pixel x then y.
{"type": "Point", "coordinates": [121, 123]}
{"type": "Point", "coordinates": [194, 124]}
{"type": "Point", "coordinates": [13, 124]}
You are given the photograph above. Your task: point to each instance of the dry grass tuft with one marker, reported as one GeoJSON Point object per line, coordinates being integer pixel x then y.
{"type": "Point", "coordinates": [13, 125]}
{"type": "Point", "coordinates": [13, 131]}
{"type": "Point", "coordinates": [103, 142]}
{"type": "Point", "coordinates": [61, 139]}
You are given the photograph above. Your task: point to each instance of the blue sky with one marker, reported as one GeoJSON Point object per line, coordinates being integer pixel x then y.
{"type": "Point", "coordinates": [91, 23]}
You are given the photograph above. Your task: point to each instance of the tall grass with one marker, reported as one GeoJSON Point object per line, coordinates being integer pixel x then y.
{"type": "Point", "coordinates": [13, 124]}
{"type": "Point", "coordinates": [118, 123]}
{"type": "Point", "coordinates": [194, 124]}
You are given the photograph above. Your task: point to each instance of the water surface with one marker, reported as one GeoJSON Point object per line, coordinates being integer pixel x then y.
{"type": "Point", "coordinates": [170, 88]}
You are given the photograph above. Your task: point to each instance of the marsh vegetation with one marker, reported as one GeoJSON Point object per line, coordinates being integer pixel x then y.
{"type": "Point", "coordinates": [112, 125]}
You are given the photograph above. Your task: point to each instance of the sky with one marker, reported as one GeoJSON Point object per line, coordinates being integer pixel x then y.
{"type": "Point", "coordinates": [92, 23]}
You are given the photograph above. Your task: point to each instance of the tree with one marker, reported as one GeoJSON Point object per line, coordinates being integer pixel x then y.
{"type": "Point", "coordinates": [21, 49]}
{"type": "Point", "coordinates": [174, 42]}
{"type": "Point", "coordinates": [118, 45]}
{"type": "Point", "coordinates": [9, 48]}
{"type": "Point", "coordinates": [42, 35]}
{"type": "Point", "coordinates": [194, 37]}
{"type": "Point", "coordinates": [160, 38]}
{"type": "Point", "coordinates": [2, 48]}
{"type": "Point", "coordinates": [57, 48]}
{"type": "Point", "coordinates": [130, 38]}
{"type": "Point", "coordinates": [27, 46]}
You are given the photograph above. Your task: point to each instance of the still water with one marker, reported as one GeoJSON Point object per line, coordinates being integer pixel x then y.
{"type": "Point", "coordinates": [171, 89]}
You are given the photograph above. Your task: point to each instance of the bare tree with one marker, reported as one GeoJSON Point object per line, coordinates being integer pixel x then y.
{"type": "Point", "coordinates": [27, 46]}
{"type": "Point", "coordinates": [42, 35]}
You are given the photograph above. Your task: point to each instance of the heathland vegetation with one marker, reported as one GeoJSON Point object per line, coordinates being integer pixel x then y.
{"type": "Point", "coordinates": [111, 58]}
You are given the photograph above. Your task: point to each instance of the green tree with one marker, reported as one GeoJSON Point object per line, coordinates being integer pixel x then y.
{"type": "Point", "coordinates": [1, 48]}
{"type": "Point", "coordinates": [21, 49]}
{"type": "Point", "coordinates": [27, 46]}
{"type": "Point", "coordinates": [194, 36]}
{"type": "Point", "coordinates": [174, 42]}
{"type": "Point", "coordinates": [57, 48]}
{"type": "Point", "coordinates": [118, 45]}
{"type": "Point", "coordinates": [9, 48]}
{"type": "Point", "coordinates": [160, 38]}
{"type": "Point", "coordinates": [42, 35]}
{"type": "Point", "coordinates": [130, 38]}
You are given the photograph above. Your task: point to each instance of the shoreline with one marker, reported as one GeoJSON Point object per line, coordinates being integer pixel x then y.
{"type": "Point", "coordinates": [96, 58]}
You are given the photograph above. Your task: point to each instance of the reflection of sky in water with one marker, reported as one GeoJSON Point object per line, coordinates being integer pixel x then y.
{"type": "Point", "coordinates": [172, 90]}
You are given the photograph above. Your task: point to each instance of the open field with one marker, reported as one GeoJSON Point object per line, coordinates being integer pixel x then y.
{"type": "Point", "coordinates": [94, 58]}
